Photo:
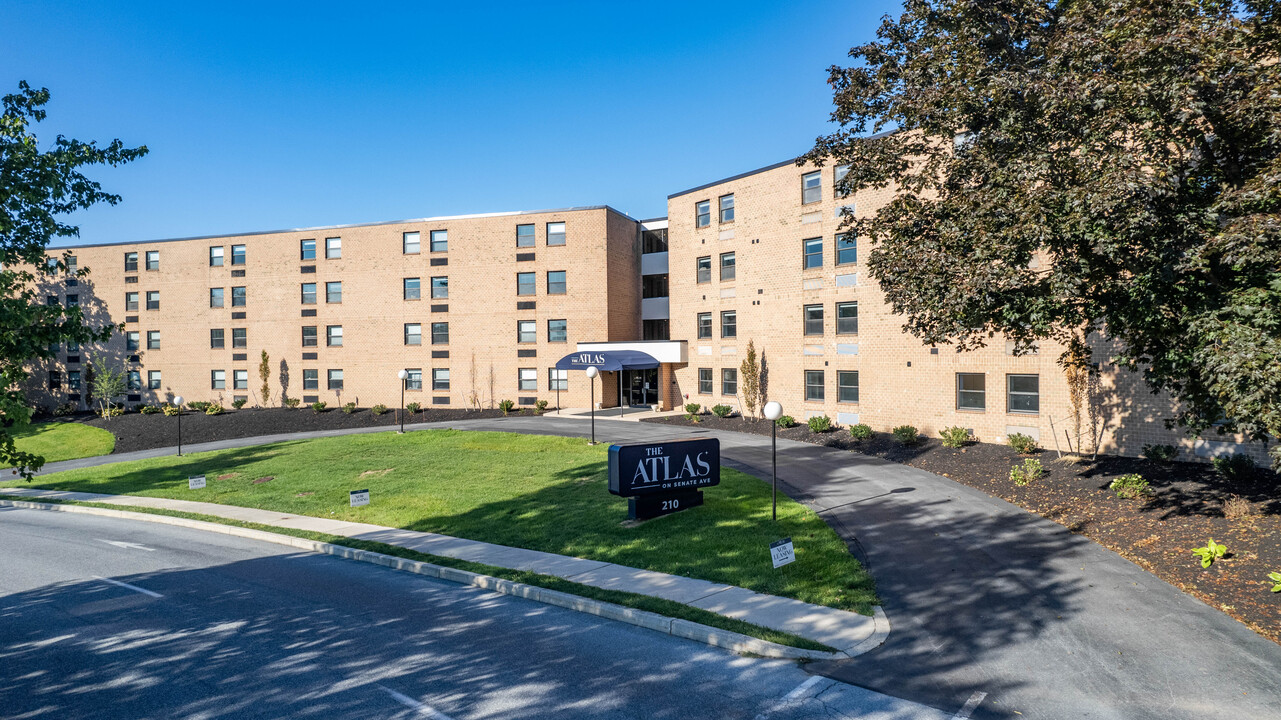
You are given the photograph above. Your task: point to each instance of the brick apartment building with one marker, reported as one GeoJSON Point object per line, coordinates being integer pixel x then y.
{"type": "Point", "coordinates": [481, 308]}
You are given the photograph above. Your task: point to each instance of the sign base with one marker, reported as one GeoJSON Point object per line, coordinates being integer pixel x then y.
{"type": "Point", "coordinates": [657, 505]}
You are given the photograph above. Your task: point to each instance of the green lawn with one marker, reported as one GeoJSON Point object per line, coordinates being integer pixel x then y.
{"type": "Point", "coordinates": [62, 440]}
{"type": "Point", "coordinates": [543, 493]}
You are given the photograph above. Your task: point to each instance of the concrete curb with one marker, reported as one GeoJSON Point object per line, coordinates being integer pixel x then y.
{"type": "Point", "coordinates": [716, 637]}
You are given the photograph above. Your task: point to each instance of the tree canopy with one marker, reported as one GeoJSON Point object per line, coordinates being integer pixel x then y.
{"type": "Point", "coordinates": [37, 189]}
{"type": "Point", "coordinates": [1069, 169]}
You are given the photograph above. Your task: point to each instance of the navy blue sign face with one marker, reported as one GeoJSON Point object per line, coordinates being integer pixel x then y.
{"type": "Point", "coordinates": [666, 467]}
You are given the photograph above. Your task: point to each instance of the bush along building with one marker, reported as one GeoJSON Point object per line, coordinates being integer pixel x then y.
{"type": "Point", "coordinates": [515, 306]}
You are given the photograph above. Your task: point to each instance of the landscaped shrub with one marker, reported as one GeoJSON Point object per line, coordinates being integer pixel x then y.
{"type": "Point", "coordinates": [861, 431]}
{"type": "Point", "coordinates": [1022, 444]}
{"type": "Point", "coordinates": [378, 409]}
{"type": "Point", "coordinates": [1237, 507]}
{"type": "Point", "coordinates": [214, 409]}
{"type": "Point", "coordinates": [540, 407]}
{"type": "Point", "coordinates": [292, 402]}
{"type": "Point", "coordinates": [149, 409]}
{"type": "Point", "coordinates": [692, 408]}
{"type": "Point", "coordinates": [906, 435]}
{"type": "Point", "coordinates": [1132, 486]}
{"type": "Point", "coordinates": [955, 436]}
{"type": "Point", "coordinates": [319, 407]}
{"type": "Point", "coordinates": [170, 410]}
{"type": "Point", "coordinates": [111, 411]}
{"type": "Point", "coordinates": [1029, 471]}
{"type": "Point", "coordinates": [239, 403]}
{"type": "Point", "coordinates": [1211, 552]}
{"type": "Point", "coordinates": [820, 424]}
{"type": "Point", "coordinates": [1235, 467]}
{"type": "Point", "coordinates": [722, 411]}
{"type": "Point", "coordinates": [506, 406]}
{"type": "Point", "coordinates": [1162, 453]}
{"type": "Point", "coordinates": [785, 421]}
{"type": "Point", "coordinates": [413, 407]}
{"type": "Point", "coordinates": [349, 408]}
{"type": "Point", "coordinates": [198, 405]}
{"type": "Point", "coordinates": [64, 409]}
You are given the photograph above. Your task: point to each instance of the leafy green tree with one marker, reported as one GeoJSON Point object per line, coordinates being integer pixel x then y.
{"type": "Point", "coordinates": [750, 373]}
{"type": "Point", "coordinates": [37, 188]}
{"type": "Point", "coordinates": [109, 383]}
{"type": "Point", "coordinates": [264, 372]}
{"type": "Point", "coordinates": [1090, 172]}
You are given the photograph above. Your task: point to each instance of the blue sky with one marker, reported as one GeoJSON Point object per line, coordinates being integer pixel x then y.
{"type": "Point", "coordinates": [313, 114]}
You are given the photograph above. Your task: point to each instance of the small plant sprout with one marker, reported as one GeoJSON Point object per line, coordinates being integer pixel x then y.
{"type": "Point", "coordinates": [1131, 487]}
{"type": "Point", "coordinates": [1211, 552]}
{"type": "Point", "coordinates": [1276, 581]}
{"type": "Point", "coordinates": [1030, 470]}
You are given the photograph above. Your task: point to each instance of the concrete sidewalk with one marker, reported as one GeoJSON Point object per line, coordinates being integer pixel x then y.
{"type": "Point", "coordinates": [848, 632]}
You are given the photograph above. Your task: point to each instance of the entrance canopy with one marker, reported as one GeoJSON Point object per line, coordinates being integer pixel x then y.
{"type": "Point", "coordinates": [607, 360]}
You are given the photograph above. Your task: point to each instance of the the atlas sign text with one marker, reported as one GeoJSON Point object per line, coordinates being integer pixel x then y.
{"type": "Point", "coordinates": [666, 475]}
{"type": "Point", "coordinates": [585, 359]}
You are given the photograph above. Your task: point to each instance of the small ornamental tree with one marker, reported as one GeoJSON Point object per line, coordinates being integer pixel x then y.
{"type": "Point", "coordinates": [109, 382]}
{"type": "Point", "coordinates": [264, 372]}
{"type": "Point", "coordinates": [750, 381]}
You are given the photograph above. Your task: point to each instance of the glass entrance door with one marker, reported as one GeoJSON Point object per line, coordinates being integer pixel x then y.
{"type": "Point", "coordinates": [643, 387]}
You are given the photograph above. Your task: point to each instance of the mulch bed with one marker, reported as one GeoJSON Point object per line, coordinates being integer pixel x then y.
{"type": "Point", "coordinates": [135, 431]}
{"type": "Point", "coordinates": [1184, 510]}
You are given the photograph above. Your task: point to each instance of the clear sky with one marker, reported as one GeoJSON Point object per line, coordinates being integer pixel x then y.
{"type": "Point", "coordinates": [266, 115]}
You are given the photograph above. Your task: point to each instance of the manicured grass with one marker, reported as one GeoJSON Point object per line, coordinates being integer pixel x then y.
{"type": "Point", "coordinates": [542, 493]}
{"type": "Point", "coordinates": [56, 441]}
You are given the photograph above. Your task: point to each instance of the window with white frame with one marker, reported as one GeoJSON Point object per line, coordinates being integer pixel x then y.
{"type": "Point", "coordinates": [1024, 394]}
{"type": "Point", "coordinates": [218, 379]}
{"type": "Point", "coordinates": [413, 334]}
{"type": "Point", "coordinates": [335, 379]}
{"type": "Point", "coordinates": [240, 380]}
{"type": "Point", "coordinates": [307, 249]}
{"type": "Point", "coordinates": [726, 203]}
{"type": "Point", "coordinates": [815, 388]}
{"type": "Point", "coordinates": [813, 319]}
{"type": "Point", "coordinates": [846, 249]}
{"type": "Point", "coordinates": [847, 386]}
{"type": "Point", "coordinates": [309, 293]}
{"type": "Point", "coordinates": [529, 379]}
{"type": "Point", "coordinates": [704, 381]}
{"type": "Point", "coordinates": [525, 235]}
{"type": "Point", "coordinates": [410, 243]}
{"type": "Point", "coordinates": [557, 379]}
{"type": "Point", "coordinates": [729, 381]}
{"type": "Point", "coordinates": [440, 378]}
{"type": "Point", "coordinates": [310, 379]}
{"type": "Point", "coordinates": [413, 378]}
{"type": "Point", "coordinates": [439, 240]}
{"type": "Point", "coordinates": [440, 288]}
{"type": "Point", "coordinates": [333, 335]}
{"type": "Point", "coordinates": [153, 379]}
{"type": "Point", "coordinates": [215, 256]}
{"type": "Point", "coordinates": [333, 292]}
{"type": "Point", "coordinates": [811, 187]}
{"type": "Point", "coordinates": [555, 233]}
{"type": "Point", "coordinates": [971, 391]}
{"type": "Point", "coordinates": [413, 288]}
{"type": "Point", "coordinates": [526, 331]}
{"type": "Point", "coordinates": [153, 259]}
{"type": "Point", "coordinates": [237, 254]}
{"type": "Point", "coordinates": [333, 248]}
{"type": "Point", "coordinates": [702, 213]}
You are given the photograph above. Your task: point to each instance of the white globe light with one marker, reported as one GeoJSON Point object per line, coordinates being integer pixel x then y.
{"type": "Point", "coordinates": [773, 410]}
{"type": "Point", "coordinates": [592, 371]}
{"type": "Point", "coordinates": [177, 399]}
{"type": "Point", "coordinates": [402, 374]}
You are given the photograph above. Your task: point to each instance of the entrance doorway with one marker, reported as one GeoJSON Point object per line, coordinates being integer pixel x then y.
{"type": "Point", "coordinates": [641, 387]}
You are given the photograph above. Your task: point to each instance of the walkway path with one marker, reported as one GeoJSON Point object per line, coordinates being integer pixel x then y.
{"type": "Point", "coordinates": [987, 600]}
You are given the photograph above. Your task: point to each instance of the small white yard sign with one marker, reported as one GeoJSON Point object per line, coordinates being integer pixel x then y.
{"type": "Point", "coordinates": [195, 482]}
{"type": "Point", "coordinates": [782, 552]}
{"type": "Point", "coordinates": [359, 498]}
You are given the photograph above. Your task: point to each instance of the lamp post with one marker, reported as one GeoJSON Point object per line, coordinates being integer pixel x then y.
{"type": "Point", "coordinates": [177, 401]}
{"type": "Point", "coordinates": [402, 375]}
{"type": "Point", "coordinates": [592, 372]}
{"type": "Point", "coordinates": [773, 411]}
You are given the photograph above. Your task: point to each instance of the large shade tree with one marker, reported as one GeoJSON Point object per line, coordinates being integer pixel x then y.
{"type": "Point", "coordinates": [39, 187]}
{"type": "Point", "coordinates": [1130, 146]}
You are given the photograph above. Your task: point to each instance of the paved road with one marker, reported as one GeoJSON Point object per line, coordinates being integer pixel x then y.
{"type": "Point", "coordinates": [111, 618]}
{"type": "Point", "coordinates": [989, 603]}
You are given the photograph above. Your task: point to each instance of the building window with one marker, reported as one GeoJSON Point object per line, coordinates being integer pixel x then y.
{"type": "Point", "coordinates": [838, 174]}
{"type": "Point", "coordinates": [307, 249]}
{"type": "Point", "coordinates": [971, 391]}
{"type": "Point", "coordinates": [215, 297]}
{"type": "Point", "coordinates": [333, 335]}
{"type": "Point", "coordinates": [333, 292]}
{"type": "Point", "coordinates": [556, 282]}
{"type": "Point", "coordinates": [73, 379]}
{"type": "Point", "coordinates": [525, 236]}
{"type": "Point", "coordinates": [310, 379]}
{"type": "Point", "coordinates": [218, 379]}
{"type": "Point", "coordinates": [73, 301]}
{"type": "Point", "coordinates": [727, 208]}
{"type": "Point", "coordinates": [439, 240]}
{"type": "Point", "coordinates": [729, 324]}
{"type": "Point", "coordinates": [131, 262]}
{"type": "Point", "coordinates": [410, 243]}
{"type": "Point", "coordinates": [237, 254]}
{"type": "Point", "coordinates": [813, 319]}
{"type": "Point", "coordinates": [55, 380]}
{"type": "Point", "coordinates": [528, 379]}
{"type": "Point", "coordinates": [557, 379]}
{"type": "Point", "coordinates": [440, 333]}
{"type": "Point", "coordinates": [51, 300]}
{"type": "Point", "coordinates": [413, 378]}
{"type": "Point", "coordinates": [847, 318]}
{"type": "Point", "coordinates": [847, 386]}
{"type": "Point", "coordinates": [654, 241]}
{"type": "Point", "coordinates": [704, 381]}
{"type": "Point", "coordinates": [702, 213]}
{"type": "Point", "coordinates": [440, 379]}
{"type": "Point", "coordinates": [217, 338]}
{"type": "Point", "coordinates": [526, 331]}
{"type": "Point", "coordinates": [335, 379]}
{"type": "Point", "coordinates": [811, 187]}
{"type": "Point", "coordinates": [413, 334]}
{"type": "Point", "coordinates": [153, 339]}
{"type": "Point", "coordinates": [239, 338]}
{"type": "Point", "coordinates": [1024, 394]}
{"type": "Point", "coordinates": [813, 253]}
{"type": "Point", "coordinates": [703, 269]}
{"type": "Point", "coordinates": [440, 288]}
{"type": "Point", "coordinates": [333, 248]}
{"type": "Point", "coordinates": [654, 286]}
{"type": "Point", "coordinates": [727, 266]}
{"type": "Point", "coordinates": [704, 325]}
{"type": "Point", "coordinates": [215, 256]}
{"type": "Point", "coordinates": [132, 341]}
{"type": "Point", "coordinates": [526, 284]}
{"type": "Point", "coordinates": [309, 337]}
{"type": "Point", "coordinates": [238, 297]}
{"type": "Point", "coordinates": [153, 259]}
{"type": "Point", "coordinates": [556, 233]}
{"type": "Point", "coordinates": [131, 301]}
{"type": "Point", "coordinates": [72, 265]}
{"type": "Point", "coordinates": [814, 385]}
{"type": "Point", "coordinates": [413, 289]}
{"type": "Point", "coordinates": [309, 293]}
{"type": "Point", "coordinates": [729, 381]}
{"type": "Point", "coordinates": [846, 249]}
{"type": "Point", "coordinates": [135, 380]}
{"type": "Point", "coordinates": [153, 299]}
{"type": "Point", "coordinates": [240, 379]}
{"type": "Point", "coordinates": [557, 331]}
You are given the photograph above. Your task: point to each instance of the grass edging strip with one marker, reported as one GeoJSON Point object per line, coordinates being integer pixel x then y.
{"type": "Point", "coordinates": [665, 616]}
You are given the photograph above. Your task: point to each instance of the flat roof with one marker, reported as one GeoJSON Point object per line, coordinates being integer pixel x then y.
{"type": "Point", "coordinates": [318, 228]}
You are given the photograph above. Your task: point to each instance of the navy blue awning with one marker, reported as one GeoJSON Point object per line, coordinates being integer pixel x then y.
{"type": "Point", "coordinates": [607, 360]}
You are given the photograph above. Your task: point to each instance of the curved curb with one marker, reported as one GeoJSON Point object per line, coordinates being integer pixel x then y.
{"type": "Point", "coordinates": [716, 637]}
